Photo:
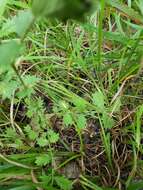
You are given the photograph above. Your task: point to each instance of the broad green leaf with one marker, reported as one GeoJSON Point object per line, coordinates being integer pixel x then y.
{"type": "Point", "coordinates": [61, 9]}
{"type": "Point", "coordinates": [136, 185]}
{"type": "Point", "coordinates": [2, 6]}
{"type": "Point", "coordinates": [63, 183]}
{"type": "Point", "coordinates": [81, 122]}
{"type": "Point", "coordinates": [18, 24]}
{"type": "Point", "coordinates": [8, 53]}
{"type": "Point", "coordinates": [43, 160]}
{"type": "Point", "coordinates": [99, 101]}
{"type": "Point", "coordinates": [22, 22]}
{"type": "Point", "coordinates": [46, 7]}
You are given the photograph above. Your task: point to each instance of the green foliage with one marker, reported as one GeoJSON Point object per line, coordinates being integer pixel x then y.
{"type": "Point", "coordinates": [135, 186]}
{"type": "Point", "coordinates": [81, 122]}
{"type": "Point", "coordinates": [72, 9]}
{"type": "Point", "coordinates": [8, 87]}
{"type": "Point", "coordinates": [137, 127]}
{"type": "Point", "coordinates": [9, 51]}
{"type": "Point", "coordinates": [63, 183]}
{"type": "Point", "coordinates": [57, 77]}
{"type": "Point", "coordinates": [43, 160]}
{"type": "Point", "coordinates": [52, 136]}
{"type": "Point", "coordinates": [99, 101]}
{"type": "Point", "coordinates": [108, 122]}
{"type": "Point", "coordinates": [32, 135]}
{"type": "Point", "coordinates": [67, 118]}
{"type": "Point", "coordinates": [3, 4]}
{"type": "Point", "coordinates": [22, 22]}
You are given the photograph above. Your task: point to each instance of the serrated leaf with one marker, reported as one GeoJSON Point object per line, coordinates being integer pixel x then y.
{"type": "Point", "coordinates": [25, 92]}
{"type": "Point", "coordinates": [81, 122]}
{"type": "Point", "coordinates": [99, 101]}
{"type": "Point", "coordinates": [63, 183]}
{"type": "Point", "coordinates": [22, 22]}
{"type": "Point", "coordinates": [43, 160]}
{"type": "Point", "coordinates": [107, 121]}
{"type": "Point", "coordinates": [80, 103]}
{"type": "Point", "coordinates": [18, 143]}
{"type": "Point", "coordinates": [30, 81]}
{"type": "Point", "coordinates": [10, 132]}
{"type": "Point", "coordinates": [7, 88]}
{"type": "Point", "coordinates": [8, 53]}
{"type": "Point", "coordinates": [67, 119]}
{"type": "Point", "coordinates": [33, 135]}
{"type": "Point", "coordinates": [42, 141]}
{"type": "Point", "coordinates": [52, 136]}
{"type": "Point", "coordinates": [63, 105]}
{"type": "Point", "coordinates": [7, 28]}
{"type": "Point", "coordinates": [46, 178]}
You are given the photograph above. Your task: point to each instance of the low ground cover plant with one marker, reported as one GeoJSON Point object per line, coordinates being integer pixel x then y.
{"type": "Point", "coordinates": [71, 95]}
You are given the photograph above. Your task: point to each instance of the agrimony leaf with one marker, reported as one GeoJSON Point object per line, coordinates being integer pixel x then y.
{"type": "Point", "coordinates": [99, 101]}
{"type": "Point", "coordinates": [42, 141]}
{"type": "Point", "coordinates": [7, 88]}
{"type": "Point", "coordinates": [23, 21]}
{"type": "Point", "coordinates": [63, 183]}
{"type": "Point", "coordinates": [107, 121]}
{"type": "Point", "coordinates": [43, 160]}
{"type": "Point", "coordinates": [67, 119]}
{"type": "Point", "coordinates": [8, 53]}
{"type": "Point", "coordinates": [80, 103]}
{"type": "Point", "coordinates": [52, 136]}
{"type": "Point", "coordinates": [81, 122]}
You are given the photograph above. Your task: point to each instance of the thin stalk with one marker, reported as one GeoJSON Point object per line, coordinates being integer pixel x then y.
{"type": "Point", "coordinates": [100, 34]}
{"type": "Point", "coordinates": [106, 144]}
{"type": "Point", "coordinates": [19, 76]}
{"type": "Point", "coordinates": [67, 161]}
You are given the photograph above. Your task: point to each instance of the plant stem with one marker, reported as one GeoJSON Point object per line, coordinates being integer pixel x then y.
{"type": "Point", "coordinates": [19, 76]}
{"type": "Point", "coordinates": [100, 34]}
